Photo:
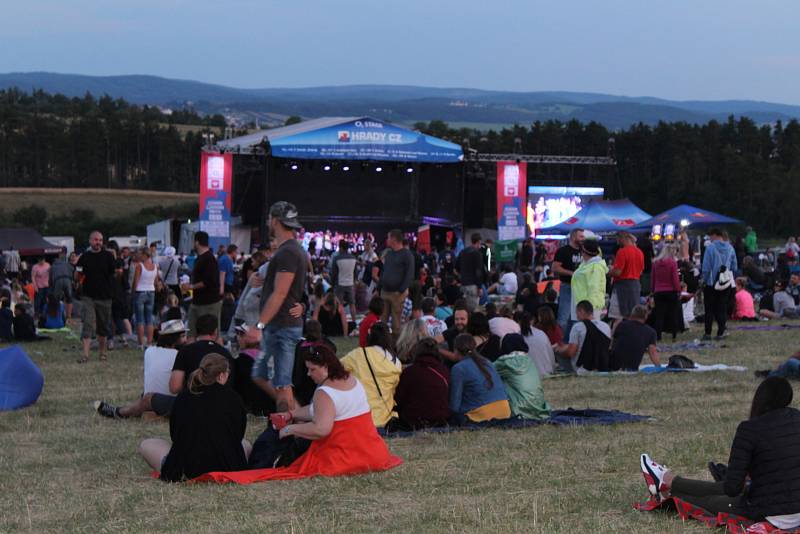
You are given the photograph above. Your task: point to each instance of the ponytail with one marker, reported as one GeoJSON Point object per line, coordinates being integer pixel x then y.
{"type": "Point", "coordinates": [464, 344]}
{"type": "Point", "coordinates": [211, 367]}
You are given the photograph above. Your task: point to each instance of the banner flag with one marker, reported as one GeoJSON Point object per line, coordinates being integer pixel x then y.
{"type": "Point", "coordinates": [216, 175]}
{"type": "Point", "coordinates": [511, 201]}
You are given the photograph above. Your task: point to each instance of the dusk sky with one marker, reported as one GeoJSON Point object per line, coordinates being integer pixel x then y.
{"type": "Point", "coordinates": [679, 49]}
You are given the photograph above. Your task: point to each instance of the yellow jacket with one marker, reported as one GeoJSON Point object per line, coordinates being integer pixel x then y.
{"type": "Point", "coordinates": [387, 375]}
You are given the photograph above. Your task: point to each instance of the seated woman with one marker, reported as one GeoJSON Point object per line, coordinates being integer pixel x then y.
{"type": "Point", "coordinates": [54, 313]}
{"type": "Point", "coordinates": [330, 314]}
{"type": "Point", "coordinates": [207, 427]}
{"type": "Point", "coordinates": [521, 379]}
{"type": "Point", "coordinates": [765, 449]}
{"type": "Point", "coordinates": [486, 343]}
{"type": "Point", "coordinates": [423, 394]}
{"type": "Point", "coordinates": [378, 369]}
{"type": "Point", "coordinates": [338, 423]}
{"type": "Point", "coordinates": [410, 333]}
{"type": "Point", "coordinates": [540, 350]}
{"type": "Point", "coordinates": [745, 309]}
{"type": "Point", "coordinates": [476, 390]}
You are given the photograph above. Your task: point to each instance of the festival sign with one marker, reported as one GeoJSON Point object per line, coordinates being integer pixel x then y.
{"type": "Point", "coordinates": [366, 139]}
{"type": "Point", "coordinates": [511, 201]}
{"type": "Point", "coordinates": [216, 175]}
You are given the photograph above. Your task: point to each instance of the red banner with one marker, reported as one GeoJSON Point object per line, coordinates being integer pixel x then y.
{"type": "Point", "coordinates": [216, 175]}
{"type": "Point", "coordinates": [512, 185]}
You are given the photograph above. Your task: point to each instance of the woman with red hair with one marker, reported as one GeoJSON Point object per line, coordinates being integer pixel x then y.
{"type": "Point", "coordinates": [338, 422]}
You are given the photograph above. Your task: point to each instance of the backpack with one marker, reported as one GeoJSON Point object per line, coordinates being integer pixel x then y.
{"type": "Point", "coordinates": [724, 279]}
{"type": "Point", "coordinates": [679, 361]}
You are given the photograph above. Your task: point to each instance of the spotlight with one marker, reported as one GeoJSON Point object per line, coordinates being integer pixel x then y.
{"type": "Point", "coordinates": [378, 169]}
{"type": "Point", "coordinates": [326, 168]}
{"type": "Point", "coordinates": [294, 166]}
{"type": "Point", "coordinates": [346, 168]}
{"type": "Point", "coordinates": [409, 170]}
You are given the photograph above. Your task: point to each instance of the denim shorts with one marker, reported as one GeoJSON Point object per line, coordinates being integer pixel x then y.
{"type": "Point", "coordinates": [277, 346]}
{"type": "Point", "coordinates": [143, 303]}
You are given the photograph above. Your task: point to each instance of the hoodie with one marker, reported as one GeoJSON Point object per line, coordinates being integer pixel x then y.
{"type": "Point", "coordinates": [718, 253]}
{"type": "Point", "coordinates": [589, 283]}
{"type": "Point", "coordinates": [523, 385]}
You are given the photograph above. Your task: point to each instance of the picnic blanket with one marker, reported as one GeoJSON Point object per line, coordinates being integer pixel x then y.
{"type": "Point", "coordinates": [699, 368]}
{"type": "Point", "coordinates": [676, 348]}
{"type": "Point", "coordinates": [568, 417]}
{"type": "Point", "coordinates": [765, 327]}
{"type": "Point", "coordinates": [732, 523]}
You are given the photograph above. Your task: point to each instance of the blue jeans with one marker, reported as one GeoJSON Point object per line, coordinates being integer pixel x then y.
{"type": "Point", "coordinates": [788, 369]}
{"type": "Point", "coordinates": [143, 302]}
{"type": "Point", "coordinates": [277, 345]}
{"type": "Point", "coordinates": [564, 309]}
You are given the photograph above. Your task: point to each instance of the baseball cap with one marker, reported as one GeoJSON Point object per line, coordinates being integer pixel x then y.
{"type": "Point", "coordinates": [286, 213]}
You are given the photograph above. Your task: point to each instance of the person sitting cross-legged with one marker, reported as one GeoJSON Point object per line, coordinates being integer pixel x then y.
{"type": "Point", "coordinates": [589, 343]}
{"type": "Point", "coordinates": [521, 379]}
{"type": "Point", "coordinates": [632, 338]}
{"type": "Point", "coordinates": [476, 390]}
{"type": "Point", "coordinates": [422, 395]}
{"type": "Point", "coordinates": [764, 450]}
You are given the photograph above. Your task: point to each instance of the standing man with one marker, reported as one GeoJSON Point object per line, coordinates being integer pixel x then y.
{"type": "Point", "coordinates": [226, 274]}
{"type": "Point", "coordinates": [472, 271]}
{"type": "Point", "coordinates": [719, 255]}
{"type": "Point", "coordinates": [95, 270]}
{"type": "Point", "coordinates": [750, 241]}
{"type": "Point", "coordinates": [398, 272]}
{"type": "Point", "coordinates": [282, 290]}
{"type": "Point", "coordinates": [565, 262]}
{"type": "Point", "coordinates": [627, 270]}
{"type": "Point", "coordinates": [40, 276]}
{"type": "Point", "coordinates": [62, 273]}
{"type": "Point", "coordinates": [206, 296]}
{"type": "Point", "coordinates": [13, 262]}
{"type": "Point", "coordinates": [169, 266]}
{"type": "Point", "coordinates": [343, 273]}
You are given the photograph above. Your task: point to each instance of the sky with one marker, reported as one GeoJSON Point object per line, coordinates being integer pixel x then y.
{"type": "Point", "coordinates": [675, 49]}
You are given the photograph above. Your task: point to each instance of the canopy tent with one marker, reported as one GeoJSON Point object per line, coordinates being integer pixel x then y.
{"type": "Point", "coordinates": [347, 138]}
{"type": "Point", "coordinates": [686, 215]}
{"type": "Point", "coordinates": [27, 241]}
{"type": "Point", "coordinates": [602, 217]}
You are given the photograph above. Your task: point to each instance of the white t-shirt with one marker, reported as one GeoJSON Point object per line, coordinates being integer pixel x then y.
{"type": "Point", "coordinates": [578, 335]}
{"type": "Point", "coordinates": [435, 326]}
{"type": "Point", "coordinates": [500, 326]}
{"type": "Point", "coordinates": [158, 363]}
{"type": "Point", "coordinates": [509, 283]}
{"type": "Point", "coordinates": [540, 351]}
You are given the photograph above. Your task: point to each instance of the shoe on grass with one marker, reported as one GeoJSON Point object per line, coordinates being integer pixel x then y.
{"type": "Point", "coordinates": [107, 410]}
{"type": "Point", "coordinates": [653, 474]}
{"type": "Point", "coordinates": [706, 337]}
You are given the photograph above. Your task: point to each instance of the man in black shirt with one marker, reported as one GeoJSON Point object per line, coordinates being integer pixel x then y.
{"type": "Point", "coordinates": [95, 271]}
{"type": "Point", "coordinates": [632, 338]}
{"type": "Point", "coordinates": [206, 299]}
{"type": "Point", "coordinates": [472, 271]}
{"type": "Point", "coordinates": [281, 295]}
{"type": "Point", "coordinates": [566, 260]}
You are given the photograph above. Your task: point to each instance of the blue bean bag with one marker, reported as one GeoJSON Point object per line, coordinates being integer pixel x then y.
{"type": "Point", "coordinates": [21, 381]}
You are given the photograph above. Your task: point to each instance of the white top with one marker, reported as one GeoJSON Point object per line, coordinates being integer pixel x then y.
{"type": "Point", "coordinates": [540, 351]}
{"type": "Point", "coordinates": [147, 279]}
{"type": "Point", "coordinates": [158, 363]}
{"type": "Point", "coordinates": [436, 327]}
{"type": "Point", "coordinates": [500, 326]}
{"type": "Point", "coordinates": [509, 283]}
{"type": "Point", "coordinates": [348, 404]}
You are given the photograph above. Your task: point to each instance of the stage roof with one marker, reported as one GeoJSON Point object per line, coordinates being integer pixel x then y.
{"type": "Point", "coordinates": [602, 216]}
{"type": "Point", "coordinates": [347, 138]}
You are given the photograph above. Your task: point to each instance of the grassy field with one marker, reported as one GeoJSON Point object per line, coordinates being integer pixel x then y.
{"type": "Point", "coordinates": [106, 203]}
{"type": "Point", "coordinates": [64, 468]}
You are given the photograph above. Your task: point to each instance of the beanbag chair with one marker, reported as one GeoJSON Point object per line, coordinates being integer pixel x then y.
{"type": "Point", "coordinates": [21, 381]}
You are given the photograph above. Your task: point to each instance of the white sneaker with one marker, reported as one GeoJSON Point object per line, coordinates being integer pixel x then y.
{"type": "Point", "coordinates": [653, 474]}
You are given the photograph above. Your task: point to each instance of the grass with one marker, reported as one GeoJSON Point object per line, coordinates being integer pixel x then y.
{"type": "Point", "coordinates": [106, 203]}
{"type": "Point", "coordinates": [66, 469]}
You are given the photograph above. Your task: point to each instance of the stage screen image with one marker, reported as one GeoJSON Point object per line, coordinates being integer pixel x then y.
{"type": "Point", "coordinates": [550, 205]}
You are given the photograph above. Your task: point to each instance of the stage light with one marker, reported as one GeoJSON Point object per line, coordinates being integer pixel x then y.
{"type": "Point", "coordinates": [346, 168]}
{"type": "Point", "coordinates": [685, 223]}
{"type": "Point", "coordinates": [294, 166]}
{"type": "Point", "coordinates": [326, 168]}
{"type": "Point", "coordinates": [410, 170]}
{"type": "Point", "coordinates": [378, 169]}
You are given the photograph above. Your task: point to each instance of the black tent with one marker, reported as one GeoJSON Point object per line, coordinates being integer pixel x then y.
{"type": "Point", "coordinates": [27, 241]}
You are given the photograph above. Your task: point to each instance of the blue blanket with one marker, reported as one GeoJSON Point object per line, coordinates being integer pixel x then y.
{"type": "Point", "coordinates": [568, 417]}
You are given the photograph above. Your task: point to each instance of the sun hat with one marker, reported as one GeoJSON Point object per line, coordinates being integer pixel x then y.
{"type": "Point", "coordinates": [174, 326]}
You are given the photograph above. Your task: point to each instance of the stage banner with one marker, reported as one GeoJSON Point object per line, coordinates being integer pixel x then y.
{"type": "Point", "coordinates": [511, 201]}
{"type": "Point", "coordinates": [216, 175]}
{"type": "Point", "coordinates": [505, 251]}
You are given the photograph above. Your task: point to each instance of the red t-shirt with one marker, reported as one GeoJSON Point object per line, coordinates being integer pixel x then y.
{"type": "Point", "coordinates": [629, 260]}
{"type": "Point", "coordinates": [364, 326]}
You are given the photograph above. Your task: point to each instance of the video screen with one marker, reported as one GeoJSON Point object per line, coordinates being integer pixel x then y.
{"type": "Point", "coordinates": [551, 205]}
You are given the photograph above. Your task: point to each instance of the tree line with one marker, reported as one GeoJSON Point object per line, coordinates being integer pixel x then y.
{"type": "Point", "coordinates": [737, 167]}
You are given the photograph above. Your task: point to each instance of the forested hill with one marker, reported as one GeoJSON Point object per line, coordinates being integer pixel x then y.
{"type": "Point", "coordinates": [734, 166]}
{"type": "Point", "coordinates": [400, 103]}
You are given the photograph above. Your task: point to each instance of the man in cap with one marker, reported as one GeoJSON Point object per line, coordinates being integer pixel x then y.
{"type": "Point", "coordinates": [283, 288]}
{"type": "Point", "coordinates": [169, 266]}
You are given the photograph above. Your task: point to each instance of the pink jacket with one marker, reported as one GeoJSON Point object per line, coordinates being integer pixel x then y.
{"type": "Point", "coordinates": [664, 276]}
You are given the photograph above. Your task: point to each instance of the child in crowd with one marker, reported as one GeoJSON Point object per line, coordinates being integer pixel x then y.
{"type": "Point", "coordinates": [745, 309]}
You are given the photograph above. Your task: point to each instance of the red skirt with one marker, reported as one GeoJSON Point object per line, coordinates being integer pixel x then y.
{"type": "Point", "coordinates": [352, 447]}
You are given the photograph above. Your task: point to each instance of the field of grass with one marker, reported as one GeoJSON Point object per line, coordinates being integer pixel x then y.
{"type": "Point", "coordinates": [64, 468]}
{"type": "Point", "coordinates": [106, 203]}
